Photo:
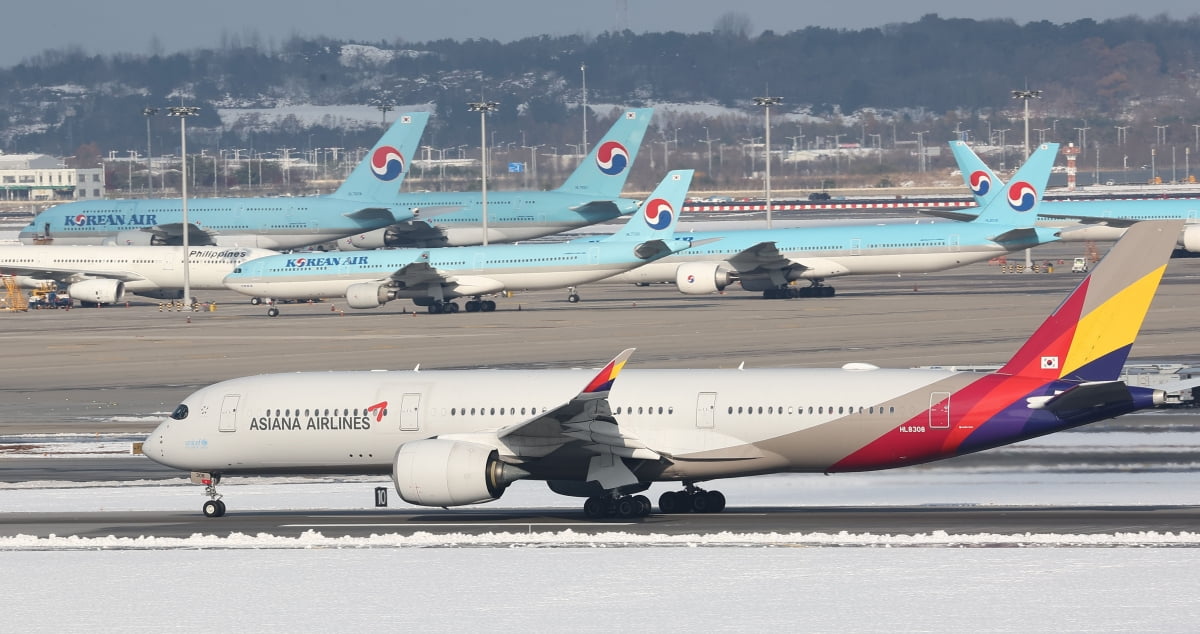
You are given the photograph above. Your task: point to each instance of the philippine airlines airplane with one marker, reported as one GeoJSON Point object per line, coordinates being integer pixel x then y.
{"type": "Point", "coordinates": [1080, 220]}
{"type": "Point", "coordinates": [431, 277]}
{"type": "Point", "coordinates": [769, 260]}
{"type": "Point", "coordinates": [103, 275]}
{"type": "Point", "coordinates": [461, 437]}
{"type": "Point", "coordinates": [365, 201]}
{"type": "Point", "coordinates": [591, 195]}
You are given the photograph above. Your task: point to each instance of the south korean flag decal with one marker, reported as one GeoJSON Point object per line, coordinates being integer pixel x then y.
{"type": "Point", "coordinates": [1049, 363]}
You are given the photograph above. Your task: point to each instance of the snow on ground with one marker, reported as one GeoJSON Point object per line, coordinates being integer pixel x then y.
{"type": "Point", "coordinates": [603, 589]}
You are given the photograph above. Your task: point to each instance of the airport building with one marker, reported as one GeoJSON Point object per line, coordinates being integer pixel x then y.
{"type": "Point", "coordinates": [38, 177]}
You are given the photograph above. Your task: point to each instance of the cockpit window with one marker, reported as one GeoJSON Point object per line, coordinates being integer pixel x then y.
{"type": "Point", "coordinates": [180, 412]}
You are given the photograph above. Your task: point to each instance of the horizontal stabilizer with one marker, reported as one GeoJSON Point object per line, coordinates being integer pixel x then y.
{"type": "Point", "coordinates": [1087, 396]}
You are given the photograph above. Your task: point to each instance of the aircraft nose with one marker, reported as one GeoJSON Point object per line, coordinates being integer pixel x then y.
{"type": "Point", "coordinates": [152, 447]}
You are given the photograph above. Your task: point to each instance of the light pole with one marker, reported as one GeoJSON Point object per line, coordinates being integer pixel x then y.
{"type": "Point", "coordinates": [709, 141]}
{"type": "Point", "coordinates": [765, 103]}
{"type": "Point", "coordinates": [1041, 134]}
{"type": "Point", "coordinates": [1196, 126]}
{"type": "Point", "coordinates": [1083, 138]}
{"type": "Point", "coordinates": [183, 112]}
{"type": "Point", "coordinates": [921, 149]}
{"type": "Point", "coordinates": [1122, 134]}
{"type": "Point", "coordinates": [583, 72]}
{"type": "Point", "coordinates": [149, 112]}
{"type": "Point", "coordinates": [1160, 134]}
{"type": "Point", "coordinates": [1026, 95]}
{"type": "Point", "coordinates": [383, 108]}
{"type": "Point", "coordinates": [483, 108]}
{"type": "Point", "coordinates": [132, 158]}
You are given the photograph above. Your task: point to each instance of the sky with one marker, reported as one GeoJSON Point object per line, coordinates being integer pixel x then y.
{"type": "Point", "coordinates": [133, 26]}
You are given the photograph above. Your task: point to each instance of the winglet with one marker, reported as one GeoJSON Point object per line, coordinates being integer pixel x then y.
{"type": "Point", "coordinates": [1088, 337]}
{"type": "Point", "coordinates": [603, 381]}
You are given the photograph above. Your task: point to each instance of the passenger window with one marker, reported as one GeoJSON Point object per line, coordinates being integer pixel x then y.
{"type": "Point", "coordinates": [180, 412]}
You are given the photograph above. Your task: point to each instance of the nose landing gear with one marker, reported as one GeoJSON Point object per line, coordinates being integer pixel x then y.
{"type": "Point", "coordinates": [214, 507]}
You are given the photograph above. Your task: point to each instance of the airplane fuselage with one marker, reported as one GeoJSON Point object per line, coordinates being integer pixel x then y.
{"type": "Point", "coordinates": [711, 423]}
{"type": "Point", "coordinates": [145, 270]}
{"type": "Point", "coordinates": [269, 223]}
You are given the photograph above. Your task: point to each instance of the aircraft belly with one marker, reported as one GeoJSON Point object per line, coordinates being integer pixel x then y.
{"type": "Point", "coordinates": [868, 264]}
{"type": "Point", "coordinates": [552, 279]}
{"type": "Point", "coordinates": [655, 272]}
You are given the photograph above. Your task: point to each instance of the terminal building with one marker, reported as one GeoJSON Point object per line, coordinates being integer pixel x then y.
{"type": "Point", "coordinates": [42, 178]}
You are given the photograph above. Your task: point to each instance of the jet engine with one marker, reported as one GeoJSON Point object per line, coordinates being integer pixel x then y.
{"type": "Point", "coordinates": [136, 239]}
{"type": "Point", "coordinates": [1190, 241]}
{"type": "Point", "coordinates": [376, 239]}
{"type": "Point", "coordinates": [440, 472]}
{"type": "Point", "coordinates": [97, 291]}
{"type": "Point", "coordinates": [702, 278]}
{"type": "Point", "coordinates": [368, 295]}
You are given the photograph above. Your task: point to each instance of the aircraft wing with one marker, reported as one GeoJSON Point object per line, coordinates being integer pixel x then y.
{"type": "Point", "coordinates": [764, 255]}
{"type": "Point", "coordinates": [418, 272]}
{"type": "Point", "coordinates": [172, 234]}
{"type": "Point", "coordinates": [598, 206]}
{"type": "Point", "coordinates": [67, 275]}
{"type": "Point", "coordinates": [373, 215]}
{"type": "Point", "coordinates": [586, 422]}
{"type": "Point", "coordinates": [949, 214]}
{"type": "Point", "coordinates": [1085, 220]}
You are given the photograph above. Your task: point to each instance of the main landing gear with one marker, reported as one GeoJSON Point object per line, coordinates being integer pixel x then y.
{"type": "Point", "coordinates": [439, 308]}
{"type": "Point", "coordinates": [816, 289]}
{"type": "Point", "coordinates": [624, 506]}
{"type": "Point", "coordinates": [691, 500]}
{"type": "Point", "coordinates": [214, 507]}
{"type": "Point", "coordinates": [480, 306]}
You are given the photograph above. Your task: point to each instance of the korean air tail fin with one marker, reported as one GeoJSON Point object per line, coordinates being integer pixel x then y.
{"type": "Point", "coordinates": [1088, 337]}
{"type": "Point", "coordinates": [985, 186]}
{"type": "Point", "coordinates": [1015, 204]}
{"type": "Point", "coordinates": [378, 176]}
{"type": "Point", "coordinates": [657, 218]}
{"type": "Point", "coordinates": [604, 170]}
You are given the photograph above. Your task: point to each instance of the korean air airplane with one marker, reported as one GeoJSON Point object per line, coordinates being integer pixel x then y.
{"type": "Point", "coordinates": [365, 201]}
{"type": "Point", "coordinates": [1080, 220]}
{"type": "Point", "coordinates": [592, 194]}
{"type": "Point", "coordinates": [102, 275]}
{"type": "Point", "coordinates": [433, 277]}
{"type": "Point", "coordinates": [770, 260]}
{"type": "Point", "coordinates": [459, 437]}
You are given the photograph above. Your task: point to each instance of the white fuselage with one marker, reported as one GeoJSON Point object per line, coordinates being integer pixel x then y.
{"type": "Point", "coordinates": [143, 269]}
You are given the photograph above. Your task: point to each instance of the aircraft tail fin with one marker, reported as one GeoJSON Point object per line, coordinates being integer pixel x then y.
{"type": "Point", "coordinates": [985, 186]}
{"type": "Point", "coordinates": [604, 170]}
{"type": "Point", "coordinates": [378, 176]}
{"type": "Point", "coordinates": [1088, 337]}
{"type": "Point", "coordinates": [1015, 204]}
{"type": "Point", "coordinates": [657, 218]}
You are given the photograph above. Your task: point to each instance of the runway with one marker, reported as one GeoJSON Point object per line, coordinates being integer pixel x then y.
{"type": "Point", "coordinates": [901, 520]}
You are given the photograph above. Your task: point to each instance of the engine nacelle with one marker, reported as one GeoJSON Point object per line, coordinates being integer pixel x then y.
{"type": "Point", "coordinates": [97, 291]}
{"type": "Point", "coordinates": [376, 239]}
{"type": "Point", "coordinates": [368, 295]}
{"type": "Point", "coordinates": [135, 239]}
{"type": "Point", "coordinates": [438, 472]}
{"type": "Point", "coordinates": [702, 278]}
{"type": "Point", "coordinates": [1190, 239]}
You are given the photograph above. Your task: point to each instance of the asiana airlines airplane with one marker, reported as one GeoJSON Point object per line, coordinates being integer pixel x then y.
{"type": "Point", "coordinates": [451, 438]}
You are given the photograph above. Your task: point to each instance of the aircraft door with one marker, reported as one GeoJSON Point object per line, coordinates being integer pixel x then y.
{"type": "Point", "coordinates": [410, 410]}
{"type": "Point", "coordinates": [954, 243]}
{"type": "Point", "coordinates": [706, 410]}
{"type": "Point", "coordinates": [855, 246]}
{"type": "Point", "coordinates": [939, 410]}
{"type": "Point", "coordinates": [229, 407]}
{"type": "Point", "coordinates": [594, 255]}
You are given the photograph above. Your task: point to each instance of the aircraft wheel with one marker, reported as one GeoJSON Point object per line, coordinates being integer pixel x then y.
{"type": "Point", "coordinates": [255, 301]}
{"type": "Point", "coordinates": [595, 508]}
{"type": "Point", "coordinates": [716, 501]}
{"type": "Point", "coordinates": [645, 502]}
{"type": "Point", "coordinates": [472, 306]}
{"type": "Point", "coordinates": [808, 291]}
{"type": "Point", "coordinates": [451, 308]}
{"type": "Point", "coordinates": [435, 308]}
{"type": "Point", "coordinates": [701, 503]}
{"type": "Point", "coordinates": [828, 291]}
{"type": "Point", "coordinates": [672, 502]}
{"type": "Point", "coordinates": [272, 312]}
{"type": "Point", "coordinates": [488, 305]}
{"type": "Point", "coordinates": [214, 508]}
{"type": "Point", "coordinates": [628, 507]}
{"type": "Point", "coordinates": [573, 298]}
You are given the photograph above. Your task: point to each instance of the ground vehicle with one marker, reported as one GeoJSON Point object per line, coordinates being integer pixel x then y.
{"type": "Point", "coordinates": [49, 299]}
{"type": "Point", "coordinates": [1079, 266]}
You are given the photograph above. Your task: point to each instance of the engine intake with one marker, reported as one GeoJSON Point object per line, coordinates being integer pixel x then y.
{"type": "Point", "coordinates": [368, 295]}
{"type": "Point", "coordinates": [438, 472]}
{"type": "Point", "coordinates": [98, 291]}
{"type": "Point", "coordinates": [702, 278]}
